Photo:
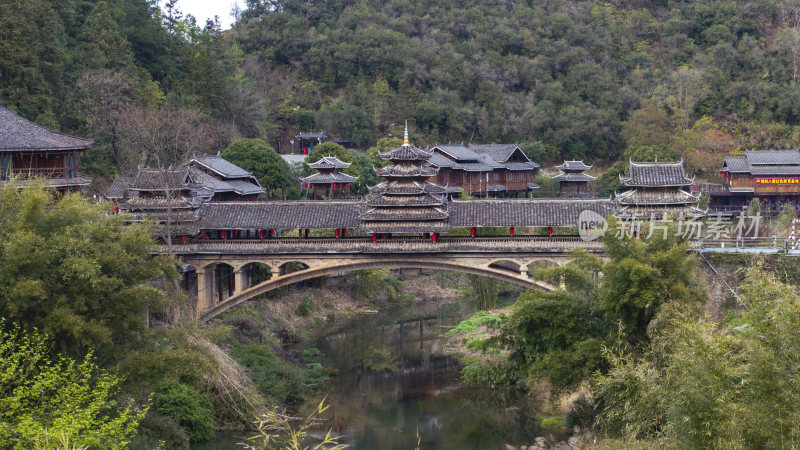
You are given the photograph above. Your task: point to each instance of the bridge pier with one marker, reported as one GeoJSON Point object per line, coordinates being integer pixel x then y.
{"type": "Point", "coordinates": [239, 277]}
{"type": "Point", "coordinates": [204, 291]}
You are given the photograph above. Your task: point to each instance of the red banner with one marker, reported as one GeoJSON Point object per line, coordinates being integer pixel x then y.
{"type": "Point", "coordinates": [777, 180]}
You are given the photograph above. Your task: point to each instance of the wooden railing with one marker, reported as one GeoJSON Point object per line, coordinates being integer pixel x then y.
{"type": "Point", "coordinates": [518, 244]}
{"type": "Point", "coordinates": [49, 172]}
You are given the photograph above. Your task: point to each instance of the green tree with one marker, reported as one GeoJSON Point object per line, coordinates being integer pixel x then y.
{"type": "Point", "coordinates": [56, 402]}
{"type": "Point", "coordinates": [710, 385]}
{"type": "Point", "coordinates": [75, 271]}
{"type": "Point", "coordinates": [257, 157]}
{"type": "Point", "coordinates": [382, 146]}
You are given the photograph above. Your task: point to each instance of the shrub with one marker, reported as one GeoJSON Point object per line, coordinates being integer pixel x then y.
{"type": "Point", "coordinates": [189, 408]}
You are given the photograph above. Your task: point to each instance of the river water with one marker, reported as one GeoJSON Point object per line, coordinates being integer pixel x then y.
{"type": "Point", "coordinates": [396, 386]}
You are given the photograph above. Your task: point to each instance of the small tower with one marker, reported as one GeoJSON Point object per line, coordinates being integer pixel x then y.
{"type": "Point", "coordinates": [406, 203]}
{"type": "Point", "coordinates": [571, 177]}
{"type": "Point", "coordinates": [329, 178]}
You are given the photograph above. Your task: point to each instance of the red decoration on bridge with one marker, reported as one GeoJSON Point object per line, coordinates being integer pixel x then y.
{"type": "Point", "coordinates": [511, 230]}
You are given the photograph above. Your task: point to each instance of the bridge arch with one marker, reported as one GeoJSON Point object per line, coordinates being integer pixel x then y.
{"type": "Point", "coordinates": [343, 267]}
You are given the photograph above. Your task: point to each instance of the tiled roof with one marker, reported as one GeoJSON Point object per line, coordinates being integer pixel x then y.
{"type": "Point", "coordinates": [221, 166]}
{"type": "Point", "coordinates": [736, 164]}
{"type": "Point", "coordinates": [311, 135]}
{"type": "Point", "coordinates": [498, 152]}
{"type": "Point", "coordinates": [569, 166]}
{"type": "Point", "coordinates": [117, 189]}
{"type": "Point", "coordinates": [403, 214]}
{"type": "Point", "coordinates": [155, 179]}
{"type": "Point", "coordinates": [407, 153]}
{"type": "Point", "coordinates": [518, 212]}
{"type": "Point", "coordinates": [775, 170]}
{"type": "Point", "coordinates": [572, 177]}
{"type": "Point", "coordinates": [53, 182]}
{"type": "Point", "coordinates": [328, 178]}
{"type": "Point", "coordinates": [407, 170]}
{"type": "Point", "coordinates": [764, 163]}
{"type": "Point", "coordinates": [773, 157]}
{"type": "Point", "coordinates": [279, 215]}
{"type": "Point", "coordinates": [214, 184]}
{"type": "Point", "coordinates": [650, 197]}
{"type": "Point", "coordinates": [329, 162]}
{"type": "Point", "coordinates": [656, 174]}
{"type": "Point", "coordinates": [520, 165]}
{"type": "Point", "coordinates": [18, 133]}
{"type": "Point", "coordinates": [459, 153]}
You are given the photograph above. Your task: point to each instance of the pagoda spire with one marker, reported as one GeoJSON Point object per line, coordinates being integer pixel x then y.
{"type": "Point", "coordinates": [405, 135]}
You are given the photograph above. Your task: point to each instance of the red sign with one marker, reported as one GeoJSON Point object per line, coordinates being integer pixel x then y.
{"type": "Point", "coordinates": [777, 180]}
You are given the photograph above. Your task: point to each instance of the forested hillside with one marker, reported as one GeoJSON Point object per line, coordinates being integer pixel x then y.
{"type": "Point", "coordinates": [575, 79]}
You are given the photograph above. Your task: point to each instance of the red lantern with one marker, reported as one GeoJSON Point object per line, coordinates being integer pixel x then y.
{"type": "Point", "coordinates": [271, 232]}
{"type": "Point", "coordinates": [433, 237]}
{"type": "Point", "coordinates": [344, 231]}
{"type": "Point", "coordinates": [185, 239]}
{"type": "Point", "coordinates": [307, 232]}
{"type": "Point", "coordinates": [348, 185]}
{"type": "Point", "coordinates": [202, 235]}
{"type": "Point", "coordinates": [261, 234]}
{"type": "Point", "coordinates": [511, 230]}
{"type": "Point", "coordinates": [374, 237]}
{"type": "Point", "coordinates": [336, 232]}
{"type": "Point", "coordinates": [223, 234]}
{"type": "Point", "coordinates": [549, 231]}
{"type": "Point", "coordinates": [472, 231]}
{"type": "Point", "coordinates": [115, 209]}
{"type": "Point", "coordinates": [236, 233]}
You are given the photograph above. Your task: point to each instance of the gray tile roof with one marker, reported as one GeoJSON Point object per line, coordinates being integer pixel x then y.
{"type": "Point", "coordinates": [498, 152]}
{"type": "Point", "coordinates": [406, 153]}
{"type": "Point", "coordinates": [467, 160]}
{"type": "Point", "coordinates": [329, 162]}
{"type": "Point", "coordinates": [572, 177]}
{"type": "Point", "coordinates": [117, 189]}
{"type": "Point", "coordinates": [328, 177]}
{"type": "Point", "coordinates": [736, 164]}
{"type": "Point", "coordinates": [312, 135]}
{"type": "Point", "coordinates": [18, 133]}
{"type": "Point", "coordinates": [518, 212]}
{"type": "Point", "coordinates": [570, 166]}
{"type": "Point", "coordinates": [221, 166]}
{"type": "Point", "coordinates": [214, 184]}
{"type": "Point", "coordinates": [279, 215]}
{"type": "Point", "coordinates": [656, 174]}
{"type": "Point", "coordinates": [773, 157]}
{"type": "Point", "coordinates": [520, 165]}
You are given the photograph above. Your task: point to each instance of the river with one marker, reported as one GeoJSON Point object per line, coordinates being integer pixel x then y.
{"type": "Point", "coordinates": [396, 386]}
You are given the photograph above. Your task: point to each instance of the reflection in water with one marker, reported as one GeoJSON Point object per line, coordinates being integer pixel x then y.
{"type": "Point", "coordinates": [395, 379]}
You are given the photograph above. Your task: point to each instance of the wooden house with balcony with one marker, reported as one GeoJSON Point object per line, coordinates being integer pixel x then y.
{"type": "Point", "coordinates": [483, 170]}
{"type": "Point", "coordinates": [29, 151]}
{"type": "Point", "coordinates": [772, 176]}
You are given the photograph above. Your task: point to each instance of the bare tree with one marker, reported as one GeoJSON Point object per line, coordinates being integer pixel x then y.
{"type": "Point", "coordinates": [166, 137]}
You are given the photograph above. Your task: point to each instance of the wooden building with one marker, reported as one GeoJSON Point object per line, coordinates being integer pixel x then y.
{"type": "Point", "coordinates": [572, 180]}
{"type": "Point", "coordinates": [772, 176]}
{"type": "Point", "coordinates": [657, 189]}
{"type": "Point", "coordinates": [29, 151]}
{"type": "Point", "coordinates": [329, 179]}
{"type": "Point", "coordinates": [483, 170]}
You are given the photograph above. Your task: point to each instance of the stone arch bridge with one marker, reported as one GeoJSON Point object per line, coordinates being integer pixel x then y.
{"type": "Point", "coordinates": [228, 273]}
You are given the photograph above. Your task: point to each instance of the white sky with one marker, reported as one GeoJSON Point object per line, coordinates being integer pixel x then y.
{"type": "Point", "coordinates": [207, 9]}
